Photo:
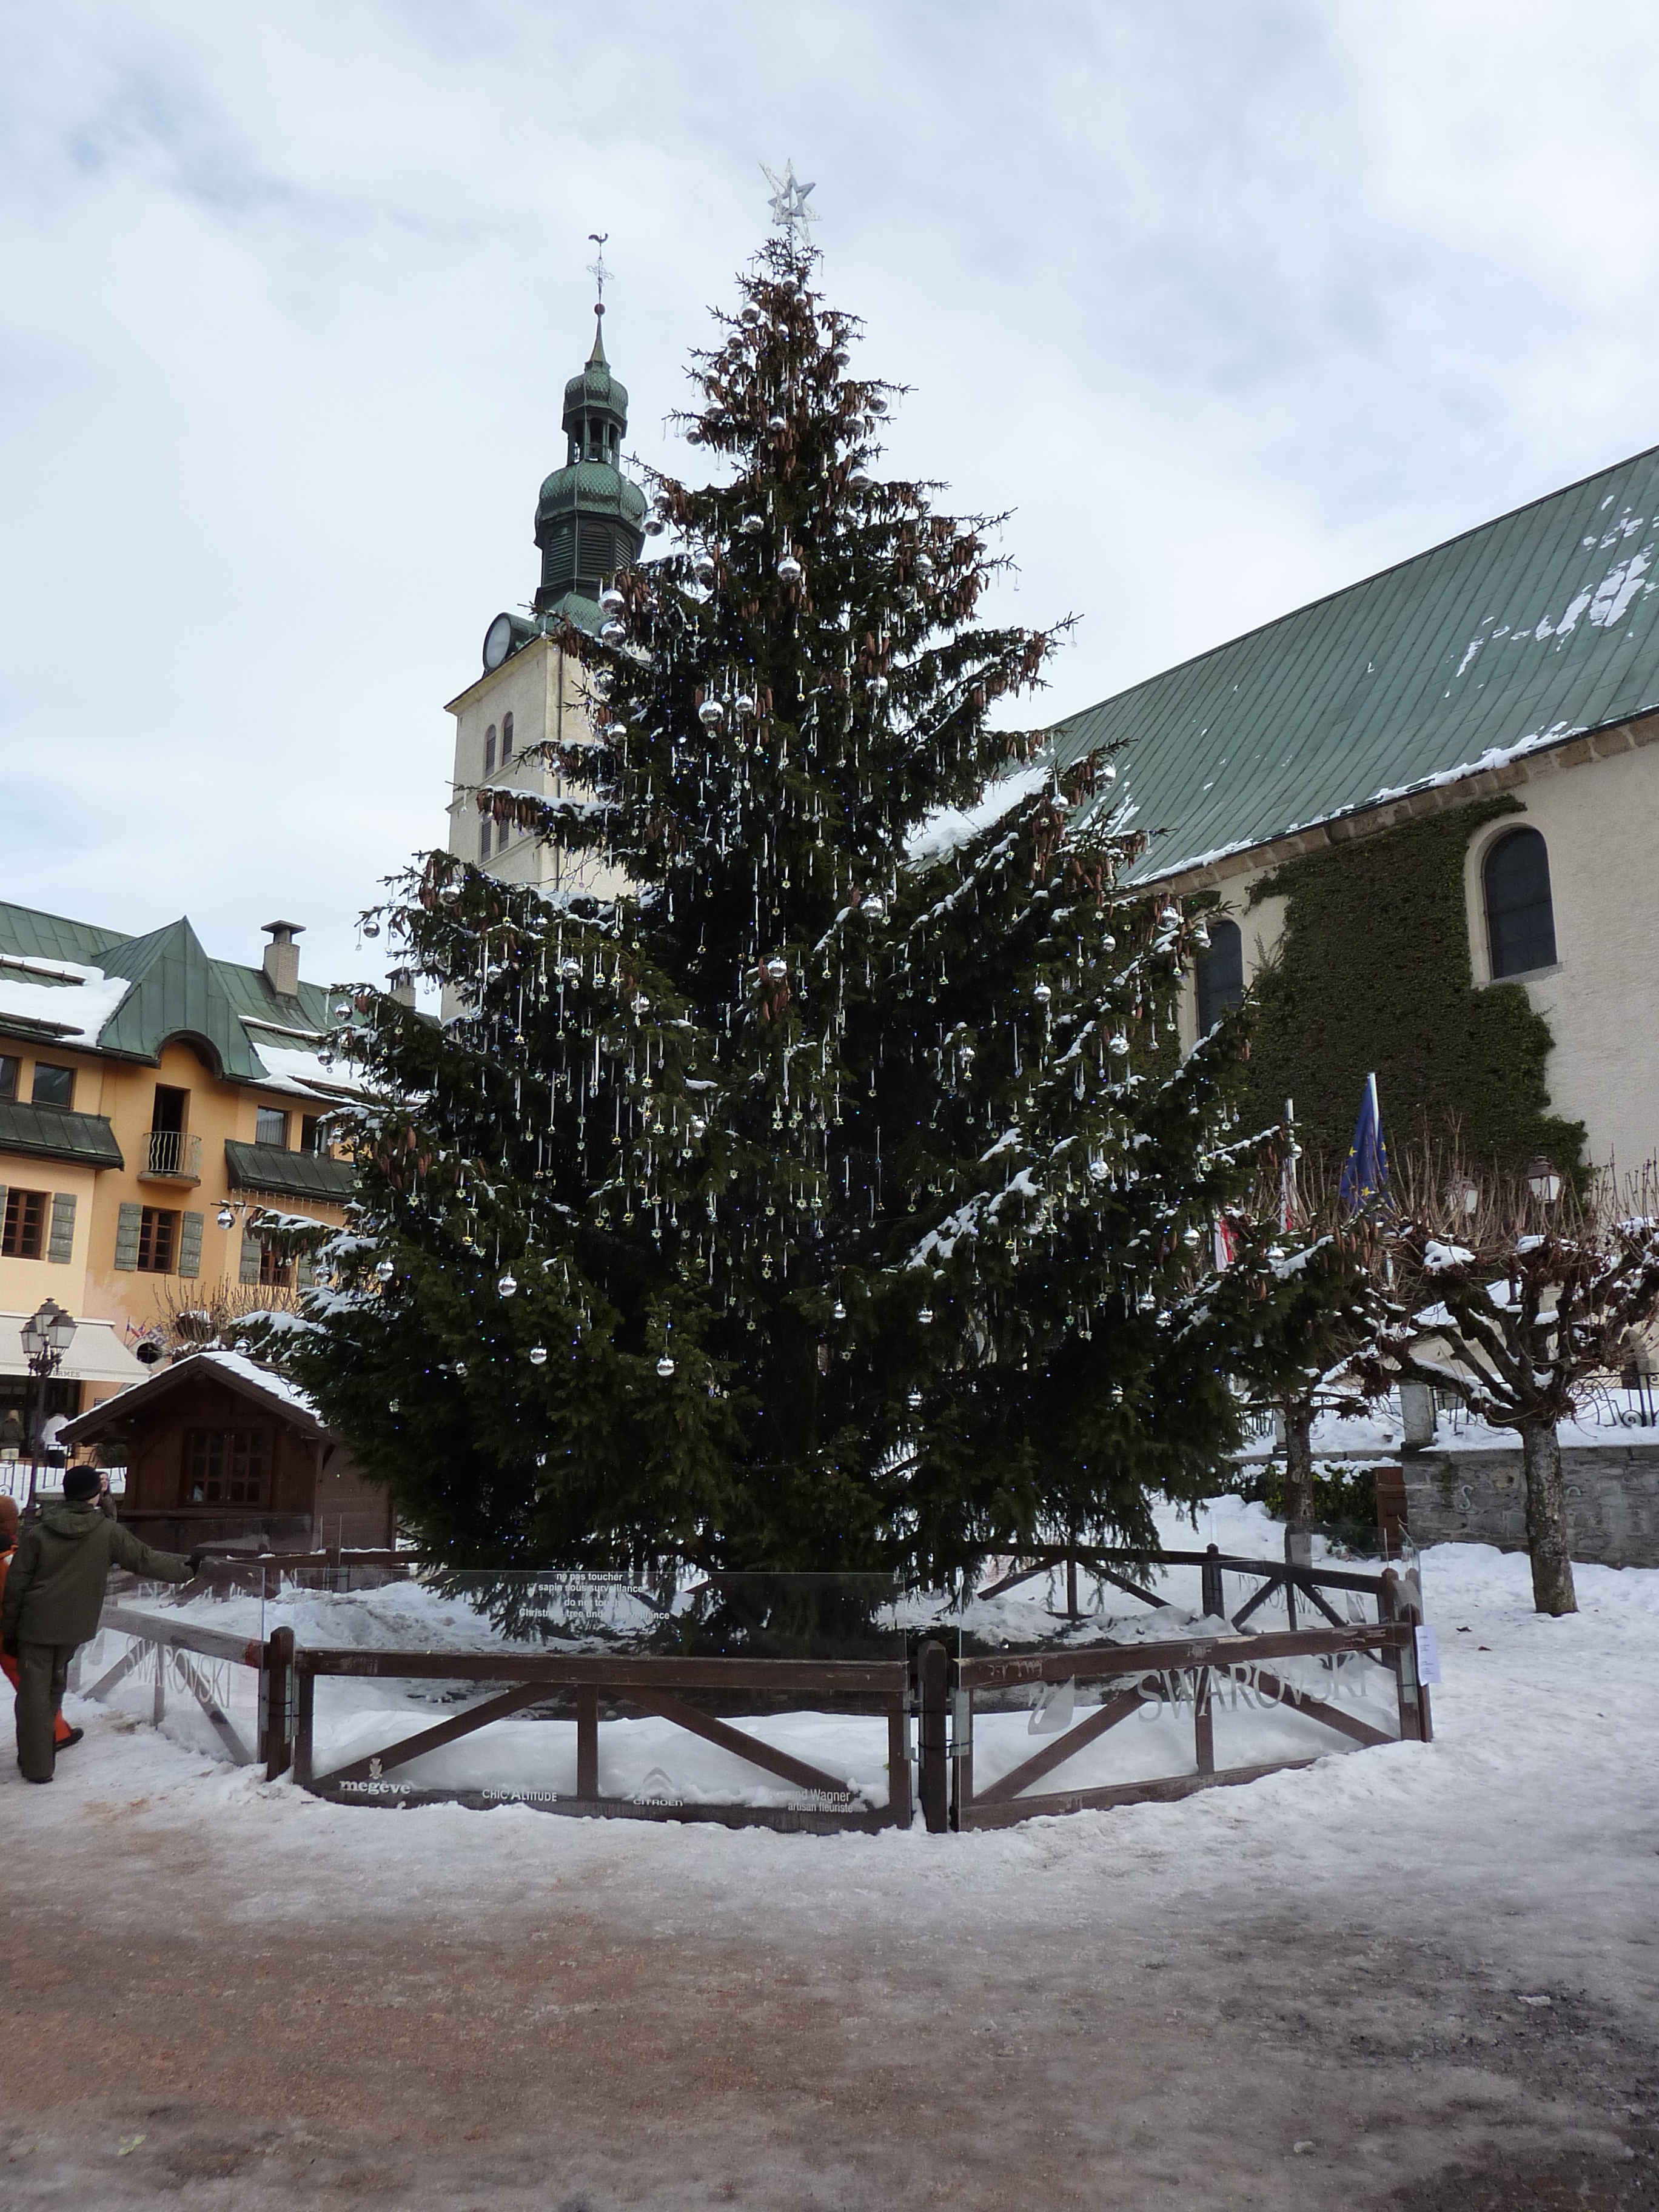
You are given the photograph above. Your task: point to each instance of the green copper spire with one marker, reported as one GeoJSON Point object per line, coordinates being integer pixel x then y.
{"type": "Point", "coordinates": [589, 519]}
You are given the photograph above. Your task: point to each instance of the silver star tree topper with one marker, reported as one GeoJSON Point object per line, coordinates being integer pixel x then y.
{"type": "Point", "coordinates": [789, 210]}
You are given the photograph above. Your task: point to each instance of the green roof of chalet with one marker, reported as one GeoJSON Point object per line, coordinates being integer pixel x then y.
{"type": "Point", "coordinates": [49, 1132]}
{"type": "Point", "coordinates": [174, 990]}
{"type": "Point", "coordinates": [279, 1173]}
{"type": "Point", "coordinates": [1519, 635]}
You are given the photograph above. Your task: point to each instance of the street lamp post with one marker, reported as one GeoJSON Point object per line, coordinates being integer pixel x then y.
{"type": "Point", "coordinates": [48, 1335]}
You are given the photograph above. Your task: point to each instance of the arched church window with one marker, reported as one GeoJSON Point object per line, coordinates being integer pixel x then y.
{"type": "Point", "coordinates": [1520, 914]}
{"type": "Point", "coordinates": [1220, 975]}
{"type": "Point", "coordinates": [506, 739]}
{"type": "Point", "coordinates": [489, 749]}
{"type": "Point", "coordinates": [483, 839]}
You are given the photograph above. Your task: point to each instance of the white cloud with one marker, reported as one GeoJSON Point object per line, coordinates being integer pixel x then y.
{"type": "Point", "coordinates": [1231, 305]}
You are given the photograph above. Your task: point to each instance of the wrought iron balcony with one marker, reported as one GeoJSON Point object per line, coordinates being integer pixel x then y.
{"type": "Point", "coordinates": [171, 1155]}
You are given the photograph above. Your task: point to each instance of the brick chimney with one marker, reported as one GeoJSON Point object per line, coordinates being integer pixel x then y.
{"type": "Point", "coordinates": [283, 957]}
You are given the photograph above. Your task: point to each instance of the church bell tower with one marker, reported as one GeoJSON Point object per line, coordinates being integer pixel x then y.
{"type": "Point", "coordinates": [590, 521]}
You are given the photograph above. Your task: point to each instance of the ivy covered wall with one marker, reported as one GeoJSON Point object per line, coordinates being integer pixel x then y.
{"type": "Point", "coordinates": [1372, 972]}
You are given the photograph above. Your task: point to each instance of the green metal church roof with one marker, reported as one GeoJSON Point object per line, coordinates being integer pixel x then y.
{"type": "Point", "coordinates": [1515, 635]}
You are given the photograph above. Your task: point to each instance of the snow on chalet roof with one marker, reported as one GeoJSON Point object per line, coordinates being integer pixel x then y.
{"type": "Point", "coordinates": [1515, 637]}
{"type": "Point", "coordinates": [69, 983]}
{"type": "Point", "coordinates": [247, 1374]}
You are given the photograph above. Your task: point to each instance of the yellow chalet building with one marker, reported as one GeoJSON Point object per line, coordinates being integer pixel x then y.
{"type": "Point", "coordinates": [158, 1110]}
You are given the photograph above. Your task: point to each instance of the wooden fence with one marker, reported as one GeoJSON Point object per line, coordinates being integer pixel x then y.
{"type": "Point", "coordinates": [930, 1695]}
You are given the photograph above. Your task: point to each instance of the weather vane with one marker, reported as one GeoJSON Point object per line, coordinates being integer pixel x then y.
{"type": "Point", "coordinates": [596, 268]}
{"type": "Point", "coordinates": [789, 210]}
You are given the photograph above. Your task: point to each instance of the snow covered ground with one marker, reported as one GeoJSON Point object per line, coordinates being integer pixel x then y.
{"type": "Point", "coordinates": [1329, 1988]}
{"type": "Point", "coordinates": [650, 1759]}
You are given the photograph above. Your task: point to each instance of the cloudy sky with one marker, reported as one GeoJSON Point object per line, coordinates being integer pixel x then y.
{"type": "Point", "coordinates": [1233, 302]}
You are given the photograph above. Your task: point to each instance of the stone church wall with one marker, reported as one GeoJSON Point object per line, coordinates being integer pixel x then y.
{"type": "Point", "coordinates": [1479, 1497]}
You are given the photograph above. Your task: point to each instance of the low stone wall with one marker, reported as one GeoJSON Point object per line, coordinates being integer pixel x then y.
{"type": "Point", "coordinates": [1479, 1497]}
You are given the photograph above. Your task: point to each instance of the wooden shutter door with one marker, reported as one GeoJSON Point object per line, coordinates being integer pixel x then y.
{"type": "Point", "coordinates": [127, 1225]}
{"type": "Point", "coordinates": [60, 1249]}
{"type": "Point", "coordinates": [190, 1245]}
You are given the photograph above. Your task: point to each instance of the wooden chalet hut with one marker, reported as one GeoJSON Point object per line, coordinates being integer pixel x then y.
{"type": "Point", "coordinates": [219, 1448]}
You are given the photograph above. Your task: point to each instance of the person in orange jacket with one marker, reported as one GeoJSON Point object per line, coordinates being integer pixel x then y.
{"type": "Point", "coordinates": [63, 1733]}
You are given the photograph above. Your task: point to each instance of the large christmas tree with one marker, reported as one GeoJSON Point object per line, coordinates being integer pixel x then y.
{"type": "Point", "coordinates": [832, 1194]}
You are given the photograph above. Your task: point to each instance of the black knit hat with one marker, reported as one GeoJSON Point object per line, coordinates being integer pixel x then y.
{"type": "Point", "coordinates": [80, 1485]}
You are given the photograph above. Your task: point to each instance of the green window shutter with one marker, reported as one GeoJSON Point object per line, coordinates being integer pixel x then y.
{"type": "Point", "coordinates": [250, 1269]}
{"type": "Point", "coordinates": [190, 1245]}
{"type": "Point", "coordinates": [127, 1225]}
{"type": "Point", "coordinates": [61, 1248]}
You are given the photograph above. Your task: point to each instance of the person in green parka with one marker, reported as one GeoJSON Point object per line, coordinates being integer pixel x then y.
{"type": "Point", "coordinates": [54, 1594]}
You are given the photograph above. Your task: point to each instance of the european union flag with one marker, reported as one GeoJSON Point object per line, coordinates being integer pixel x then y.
{"type": "Point", "coordinates": [1365, 1171]}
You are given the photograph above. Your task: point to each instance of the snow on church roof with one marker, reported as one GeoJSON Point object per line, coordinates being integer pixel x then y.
{"type": "Point", "coordinates": [1515, 637]}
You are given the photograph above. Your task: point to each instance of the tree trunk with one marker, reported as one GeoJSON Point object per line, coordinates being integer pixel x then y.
{"type": "Point", "coordinates": [1298, 1462]}
{"type": "Point", "coordinates": [1546, 1520]}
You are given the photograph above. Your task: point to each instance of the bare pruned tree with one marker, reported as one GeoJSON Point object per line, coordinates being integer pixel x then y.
{"type": "Point", "coordinates": [194, 1316]}
{"type": "Point", "coordinates": [1515, 1292]}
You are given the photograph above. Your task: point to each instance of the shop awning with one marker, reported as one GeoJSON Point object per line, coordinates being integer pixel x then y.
{"type": "Point", "coordinates": [97, 1352]}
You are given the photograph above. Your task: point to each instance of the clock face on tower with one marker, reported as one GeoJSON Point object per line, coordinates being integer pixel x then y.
{"type": "Point", "coordinates": [498, 641]}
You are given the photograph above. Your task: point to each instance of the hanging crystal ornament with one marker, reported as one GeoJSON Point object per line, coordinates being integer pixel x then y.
{"type": "Point", "coordinates": [703, 570]}
{"type": "Point", "coordinates": [1190, 1238]}
{"type": "Point", "coordinates": [507, 1286]}
{"type": "Point", "coordinates": [744, 705]}
{"type": "Point", "coordinates": [371, 929]}
{"type": "Point", "coordinates": [640, 1003]}
{"type": "Point", "coordinates": [925, 1316]}
{"type": "Point", "coordinates": [538, 1355]}
{"type": "Point", "coordinates": [612, 633]}
{"type": "Point", "coordinates": [611, 601]}
{"type": "Point", "coordinates": [1120, 1043]}
{"type": "Point", "coordinates": [393, 1405]}
{"type": "Point", "coordinates": [790, 570]}
{"type": "Point", "coordinates": [752, 525]}
{"type": "Point", "coordinates": [665, 1366]}
{"type": "Point", "coordinates": [460, 1370]}
{"type": "Point", "coordinates": [711, 714]}
{"type": "Point", "coordinates": [777, 969]}
{"type": "Point", "coordinates": [838, 1311]}
{"type": "Point", "coordinates": [915, 1400]}
{"type": "Point", "coordinates": [1042, 993]}
{"type": "Point", "coordinates": [570, 969]}
{"type": "Point", "coordinates": [874, 908]}
{"type": "Point", "coordinates": [384, 1270]}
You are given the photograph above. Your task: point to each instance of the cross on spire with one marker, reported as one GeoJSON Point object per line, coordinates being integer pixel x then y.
{"type": "Point", "coordinates": [596, 268]}
{"type": "Point", "coordinates": [790, 213]}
